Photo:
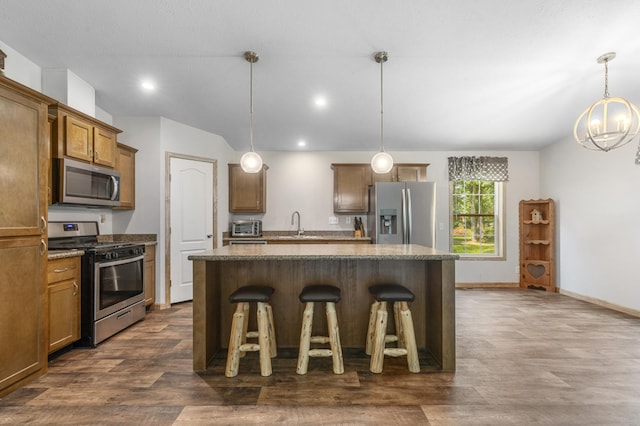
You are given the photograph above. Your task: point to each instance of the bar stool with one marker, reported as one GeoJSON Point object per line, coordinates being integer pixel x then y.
{"type": "Point", "coordinates": [238, 345]}
{"type": "Point", "coordinates": [377, 336]}
{"type": "Point", "coordinates": [329, 295]}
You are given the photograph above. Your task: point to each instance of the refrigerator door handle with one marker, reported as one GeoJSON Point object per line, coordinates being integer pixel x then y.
{"type": "Point", "coordinates": [404, 216]}
{"type": "Point", "coordinates": [409, 216]}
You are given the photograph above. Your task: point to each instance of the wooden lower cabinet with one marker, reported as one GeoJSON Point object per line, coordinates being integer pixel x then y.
{"type": "Point", "coordinates": [63, 276]}
{"type": "Point", "coordinates": [23, 355]}
{"type": "Point", "coordinates": [149, 276]}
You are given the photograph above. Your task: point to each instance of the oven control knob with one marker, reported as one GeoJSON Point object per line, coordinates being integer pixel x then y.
{"type": "Point", "coordinates": [115, 255]}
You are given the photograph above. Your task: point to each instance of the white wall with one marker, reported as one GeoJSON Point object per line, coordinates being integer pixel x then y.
{"type": "Point", "coordinates": [154, 137]}
{"type": "Point", "coordinates": [304, 182]}
{"type": "Point", "coordinates": [597, 211]}
{"type": "Point", "coordinates": [21, 69]}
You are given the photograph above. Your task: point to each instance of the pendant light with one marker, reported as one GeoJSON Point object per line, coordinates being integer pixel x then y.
{"type": "Point", "coordinates": [609, 122]}
{"type": "Point", "coordinates": [251, 162]}
{"type": "Point", "coordinates": [382, 162]}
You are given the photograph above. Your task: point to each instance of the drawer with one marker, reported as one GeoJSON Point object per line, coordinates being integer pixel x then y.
{"type": "Point", "coordinates": [63, 269]}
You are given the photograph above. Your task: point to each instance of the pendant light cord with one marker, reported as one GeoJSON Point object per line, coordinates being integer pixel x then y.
{"type": "Point", "coordinates": [381, 107]}
{"type": "Point", "coordinates": [251, 61]}
{"type": "Point", "coordinates": [606, 78]}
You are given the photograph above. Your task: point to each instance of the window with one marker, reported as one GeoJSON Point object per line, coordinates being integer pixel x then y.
{"type": "Point", "coordinates": [477, 206]}
{"type": "Point", "coordinates": [476, 218]}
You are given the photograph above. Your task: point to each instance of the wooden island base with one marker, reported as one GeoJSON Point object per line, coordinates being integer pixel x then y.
{"type": "Point", "coordinates": [428, 273]}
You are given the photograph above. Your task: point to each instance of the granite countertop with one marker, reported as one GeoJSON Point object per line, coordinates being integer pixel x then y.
{"type": "Point", "coordinates": [63, 254]}
{"type": "Point", "coordinates": [147, 239]}
{"type": "Point", "coordinates": [324, 251]}
{"type": "Point", "coordinates": [292, 236]}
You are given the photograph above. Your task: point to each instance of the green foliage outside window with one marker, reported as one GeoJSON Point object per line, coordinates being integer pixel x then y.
{"type": "Point", "coordinates": [474, 217]}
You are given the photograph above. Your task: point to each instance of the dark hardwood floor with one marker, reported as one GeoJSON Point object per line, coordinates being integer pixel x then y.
{"type": "Point", "coordinates": [524, 357]}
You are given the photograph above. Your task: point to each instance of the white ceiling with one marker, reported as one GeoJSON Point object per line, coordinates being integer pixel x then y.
{"type": "Point", "coordinates": [461, 75]}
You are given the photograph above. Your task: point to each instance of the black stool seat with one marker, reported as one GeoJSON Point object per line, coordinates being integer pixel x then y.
{"type": "Point", "coordinates": [391, 293]}
{"type": "Point", "coordinates": [320, 293]}
{"type": "Point", "coordinates": [252, 293]}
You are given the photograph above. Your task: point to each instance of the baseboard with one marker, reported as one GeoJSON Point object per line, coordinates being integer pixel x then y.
{"type": "Point", "coordinates": [487, 285]}
{"type": "Point", "coordinates": [599, 302]}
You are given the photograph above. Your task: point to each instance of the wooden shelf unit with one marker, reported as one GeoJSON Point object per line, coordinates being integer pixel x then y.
{"type": "Point", "coordinates": [537, 245]}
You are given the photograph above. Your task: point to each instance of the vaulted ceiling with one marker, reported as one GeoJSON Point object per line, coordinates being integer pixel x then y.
{"type": "Point", "coordinates": [461, 74]}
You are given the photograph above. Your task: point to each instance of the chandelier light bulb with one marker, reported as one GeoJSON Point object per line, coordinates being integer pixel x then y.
{"type": "Point", "coordinates": [381, 162]}
{"type": "Point", "coordinates": [251, 162]}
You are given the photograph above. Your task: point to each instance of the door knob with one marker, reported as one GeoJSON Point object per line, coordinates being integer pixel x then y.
{"type": "Point", "coordinates": [209, 235]}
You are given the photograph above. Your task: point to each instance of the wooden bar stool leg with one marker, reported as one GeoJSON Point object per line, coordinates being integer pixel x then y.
{"type": "Point", "coordinates": [272, 332]}
{"type": "Point", "coordinates": [334, 338]}
{"type": "Point", "coordinates": [398, 324]}
{"type": "Point", "coordinates": [377, 357]}
{"type": "Point", "coordinates": [305, 339]}
{"type": "Point", "coordinates": [235, 340]}
{"type": "Point", "coordinates": [373, 314]}
{"type": "Point", "coordinates": [245, 326]}
{"type": "Point", "coordinates": [409, 338]}
{"type": "Point", "coordinates": [263, 340]}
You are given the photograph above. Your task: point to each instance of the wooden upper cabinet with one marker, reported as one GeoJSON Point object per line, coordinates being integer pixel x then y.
{"type": "Point", "coordinates": [104, 147]}
{"type": "Point", "coordinates": [78, 139]}
{"type": "Point", "coordinates": [403, 172]}
{"type": "Point", "coordinates": [247, 191]}
{"type": "Point", "coordinates": [24, 164]}
{"type": "Point", "coordinates": [79, 136]}
{"type": "Point", "coordinates": [351, 183]}
{"type": "Point", "coordinates": [126, 165]}
{"type": "Point", "coordinates": [351, 187]}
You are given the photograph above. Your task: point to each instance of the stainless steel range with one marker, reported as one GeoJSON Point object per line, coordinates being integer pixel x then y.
{"type": "Point", "coordinates": [112, 285]}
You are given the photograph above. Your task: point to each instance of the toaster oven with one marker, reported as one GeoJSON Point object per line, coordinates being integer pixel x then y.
{"type": "Point", "coordinates": [246, 228]}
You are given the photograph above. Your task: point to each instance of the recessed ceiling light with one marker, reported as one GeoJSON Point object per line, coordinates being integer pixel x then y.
{"type": "Point", "coordinates": [320, 101]}
{"type": "Point", "coordinates": [148, 85]}
{"type": "Point", "coordinates": [302, 142]}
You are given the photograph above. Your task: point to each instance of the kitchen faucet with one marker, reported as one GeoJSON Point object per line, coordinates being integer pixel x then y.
{"type": "Point", "coordinates": [300, 231]}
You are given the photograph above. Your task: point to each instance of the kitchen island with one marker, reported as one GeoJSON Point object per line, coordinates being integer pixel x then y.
{"type": "Point", "coordinates": [428, 273]}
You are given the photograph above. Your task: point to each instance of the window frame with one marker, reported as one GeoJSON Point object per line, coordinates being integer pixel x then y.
{"type": "Point", "coordinates": [500, 195]}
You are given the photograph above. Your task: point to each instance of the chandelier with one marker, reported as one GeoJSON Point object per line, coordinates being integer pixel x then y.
{"type": "Point", "coordinates": [381, 162]}
{"type": "Point", "coordinates": [251, 162]}
{"type": "Point", "coordinates": [610, 122]}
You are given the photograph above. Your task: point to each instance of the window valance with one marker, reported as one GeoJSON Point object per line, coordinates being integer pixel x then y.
{"type": "Point", "coordinates": [492, 169]}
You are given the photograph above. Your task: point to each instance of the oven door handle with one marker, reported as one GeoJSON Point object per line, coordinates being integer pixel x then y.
{"type": "Point", "coordinates": [116, 262]}
{"type": "Point", "coordinates": [116, 188]}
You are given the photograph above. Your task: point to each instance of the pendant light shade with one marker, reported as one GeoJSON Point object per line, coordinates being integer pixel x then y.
{"type": "Point", "coordinates": [382, 162]}
{"type": "Point", "coordinates": [251, 162]}
{"type": "Point", "coordinates": [608, 123]}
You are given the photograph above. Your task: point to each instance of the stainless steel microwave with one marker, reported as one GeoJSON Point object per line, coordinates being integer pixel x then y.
{"type": "Point", "coordinates": [246, 228]}
{"type": "Point", "coordinates": [75, 182]}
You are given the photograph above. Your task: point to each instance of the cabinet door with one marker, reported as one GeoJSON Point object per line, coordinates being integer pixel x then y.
{"type": "Point", "coordinates": [104, 147]}
{"type": "Point", "coordinates": [126, 165]}
{"type": "Point", "coordinates": [247, 191]}
{"type": "Point", "coordinates": [22, 311]}
{"type": "Point", "coordinates": [64, 313]}
{"type": "Point", "coordinates": [78, 141]}
{"type": "Point", "coordinates": [23, 164]}
{"type": "Point", "coordinates": [411, 172]}
{"type": "Point", "coordinates": [351, 188]}
{"type": "Point", "coordinates": [149, 275]}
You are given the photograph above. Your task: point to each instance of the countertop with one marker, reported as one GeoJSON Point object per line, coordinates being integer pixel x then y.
{"type": "Point", "coordinates": [63, 254]}
{"type": "Point", "coordinates": [324, 251]}
{"type": "Point", "coordinates": [308, 236]}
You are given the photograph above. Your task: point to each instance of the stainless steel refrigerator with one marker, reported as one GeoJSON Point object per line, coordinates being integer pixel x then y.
{"type": "Point", "coordinates": [402, 213]}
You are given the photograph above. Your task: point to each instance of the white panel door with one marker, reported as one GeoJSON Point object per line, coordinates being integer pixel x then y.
{"type": "Point", "coordinates": [191, 221]}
